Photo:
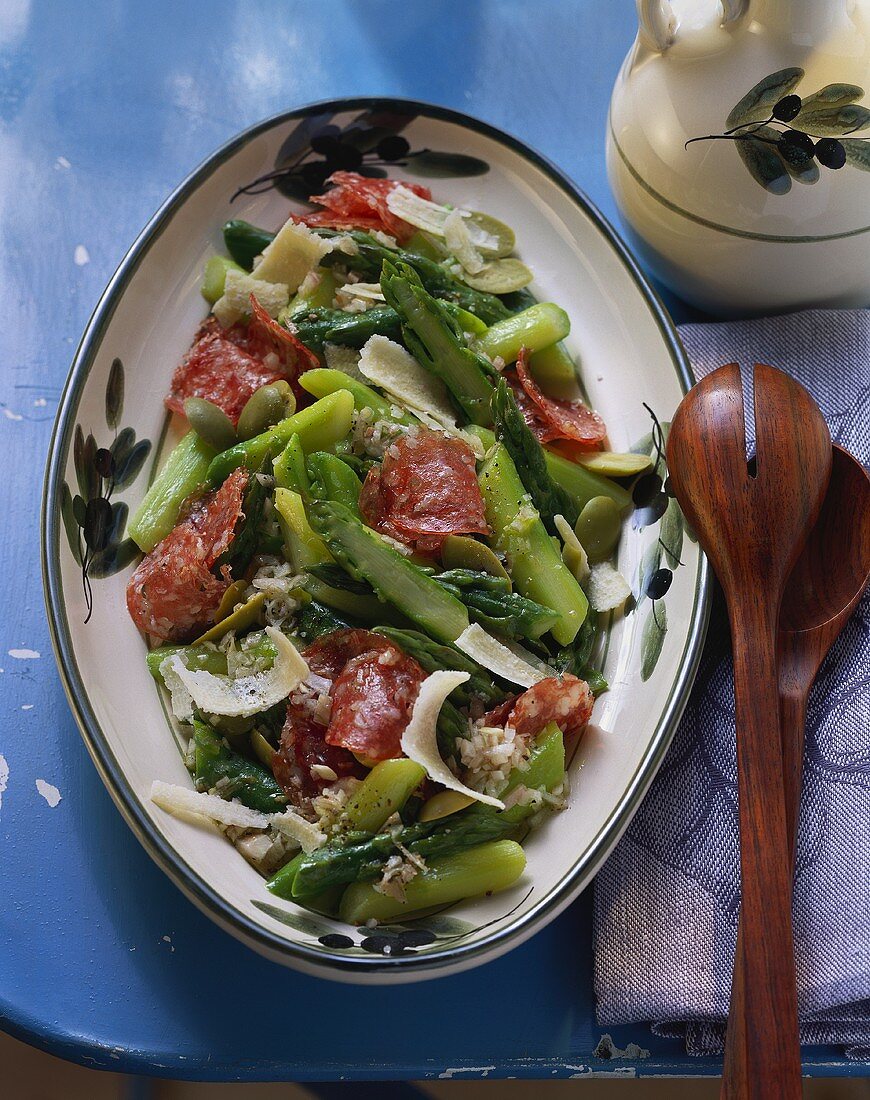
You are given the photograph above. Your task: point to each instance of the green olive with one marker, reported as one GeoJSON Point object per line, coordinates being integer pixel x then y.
{"type": "Point", "coordinates": [613, 464]}
{"type": "Point", "coordinates": [246, 616]}
{"type": "Point", "coordinates": [264, 408]}
{"type": "Point", "coordinates": [502, 235]}
{"type": "Point", "coordinates": [443, 804]}
{"type": "Point", "coordinates": [262, 749]}
{"type": "Point", "coordinates": [598, 528]}
{"type": "Point", "coordinates": [499, 276]}
{"type": "Point", "coordinates": [210, 423]}
{"type": "Point", "coordinates": [462, 552]}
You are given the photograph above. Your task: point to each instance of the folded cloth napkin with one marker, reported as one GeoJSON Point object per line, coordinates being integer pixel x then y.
{"type": "Point", "coordinates": [667, 900]}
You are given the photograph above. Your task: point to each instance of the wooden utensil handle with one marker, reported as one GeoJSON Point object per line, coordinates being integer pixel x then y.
{"type": "Point", "coordinates": [793, 716]}
{"type": "Point", "coordinates": [762, 1052]}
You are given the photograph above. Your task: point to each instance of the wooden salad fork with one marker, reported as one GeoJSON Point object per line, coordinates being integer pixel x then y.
{"type": "Point", "coordinates": [752, 528]}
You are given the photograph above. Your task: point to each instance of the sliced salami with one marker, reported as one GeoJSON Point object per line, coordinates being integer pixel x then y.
{"type": "Point", "coordinates": [534, 418]}
{"type": "Point", "coordinates": [568, 419]}
{"type": "Point", "coordinates": [356, 201]}
{"type": "Point", "coordinates": [173, 592]}
{"type": "Point", "coordinates": [374, 685]}
{"type": "Point", "coordinates": [221, 368]}
{"type": "Point", "coordinates": [426, 489]}
{"type": "Point", "coordinates": [565, 700]}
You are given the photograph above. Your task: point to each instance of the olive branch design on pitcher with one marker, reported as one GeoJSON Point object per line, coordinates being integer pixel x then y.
{"type": "Point", "coordinates": [781, 136]}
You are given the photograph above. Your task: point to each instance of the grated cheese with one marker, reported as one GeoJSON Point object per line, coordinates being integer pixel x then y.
{"type": "Point", "coordinates": [573, 553]}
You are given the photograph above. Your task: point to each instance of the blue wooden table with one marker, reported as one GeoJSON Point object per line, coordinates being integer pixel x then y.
{"type": "Point", "coordinates": [104, 108]}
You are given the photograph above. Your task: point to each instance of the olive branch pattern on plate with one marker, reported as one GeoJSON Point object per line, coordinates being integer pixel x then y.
{"type": "Point", "coordinates": [95, 525]}
{"type": "Point", "coordinates": [654, 502]}
{"type": "Point", "coordinates": [781, 136]}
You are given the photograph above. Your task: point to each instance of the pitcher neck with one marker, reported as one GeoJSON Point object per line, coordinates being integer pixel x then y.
{"type": "Point", "coordinates": [800, 17]}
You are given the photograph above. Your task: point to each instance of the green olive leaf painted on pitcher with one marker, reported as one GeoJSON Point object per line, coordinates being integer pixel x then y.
{"type": "Point", "coordinates": [782, 136]}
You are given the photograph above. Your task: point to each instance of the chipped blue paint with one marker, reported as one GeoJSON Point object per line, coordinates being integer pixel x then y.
{"type": "Point", "coordinates": [104, 108]}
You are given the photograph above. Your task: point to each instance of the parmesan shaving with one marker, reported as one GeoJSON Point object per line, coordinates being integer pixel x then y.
{"type": "Point", "coordinates": [184, 801]}
{"type": "Point", "coordinates": [458, 240]}
{"type": "Point", "coordinates": [395, 370]}
{"type": "Point", "coordinates": [345, 359]}
{"type": "Point", "coordinates": [294, 252]}
{"type": "Point", "coordinates": [306, 834]}
{"type": "Point", "coordinates": [431, 217]}
{"type": "Point", "coordinates": [573, 554]}
{"type": "Point", "coordinates": [420, 739]}
{"type": "Point", "coordinates": [496, 657]}
{"type": "Point", "coordinates": [245, 695]}
{"type": "Point", "coordinates": [235, 302]}
{"type": "Point", "coordinates": [607, 588]}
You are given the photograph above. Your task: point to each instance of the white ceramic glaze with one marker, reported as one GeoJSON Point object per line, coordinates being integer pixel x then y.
{"type": "Point", "coordinates": [629, 356]}
{"type": "Point", "coordinates": [697, 216]}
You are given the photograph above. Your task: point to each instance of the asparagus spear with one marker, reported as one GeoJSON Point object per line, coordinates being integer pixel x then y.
{"type": "Point", "coordinates": [333, 479]}
{"type": "Point", "coordinates": [438, 281]}
{"type": "Point", "coordinates": [318, 427]}
{"type": "Point", "coordinates": [580, 483]}
{"type": "Point", "coordinates": [360, 858]}
{"type": "Point", "coordinates": [322, 381]}
{"type": "Point", "coordinates": [434, 658]}
{"type": "Point", "coordinates": [434, 338]}
{"type": "Point", "coordinates": [215, 763]}
{"type": "Point", "coordinates": [184, 471]}
{"type": "Point", "coordinates": [535, 564]}
{"type": "Point", "coordinates": [482, 870]}
{"type": "Point", "coordinates": [528, 455]}
{"type": "Point", "coordinates": [315, 620]}
{"type": "Point", "coordinates": [245, 241]}
{"type": "Point", "coordinates": [367, 557]}
{"type": "Point", "coordinates": [316, 327]}
{"type": "Point", "coordinates": [534, 328]}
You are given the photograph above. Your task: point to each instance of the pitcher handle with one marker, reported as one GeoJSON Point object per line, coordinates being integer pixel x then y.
{"type": "Point", "coordinates": [658, 23]}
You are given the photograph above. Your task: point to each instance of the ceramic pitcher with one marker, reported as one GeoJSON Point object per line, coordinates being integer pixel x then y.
{"type": "Point", "coordinates": [738, 148]}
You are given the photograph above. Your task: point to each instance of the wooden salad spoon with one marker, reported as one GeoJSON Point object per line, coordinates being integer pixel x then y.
{"type": "Point", "coordinates": [822, 592]}
{"type": "Point", "coordinates": [752, 528]}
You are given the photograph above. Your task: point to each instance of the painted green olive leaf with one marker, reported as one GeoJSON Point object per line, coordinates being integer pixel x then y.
{"type": "Point", "coordinates": [800, 164]}
{"type": "Point", "coordinates": [833, 121]}
{"type": "Point", "coordinates": [434, 165]}
{"type": "Point", "coordinates": [857, 153]}
{"type": "Point", "coordinates": [764, 164]}
{"type": "Point", "coordinates": [652, 639]}
{"type": "Point", "coordinates": [832, 95]}
{"type": "Point", "coordinates": [758, 101]}
{"type": "Point", "coordinates": [115, 394]}
{"type": "Point", "coordinates": [113, 558]}
{"type": "Point", "coordinates": [70, 525]}
{"type": "Point", "coordinates": [671, 534]}
{"type": "Point", "coordinates": [298, 921]}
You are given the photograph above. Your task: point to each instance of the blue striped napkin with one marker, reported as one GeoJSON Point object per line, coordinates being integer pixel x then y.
{"type": "Point", "coordinates": [667, 900]}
